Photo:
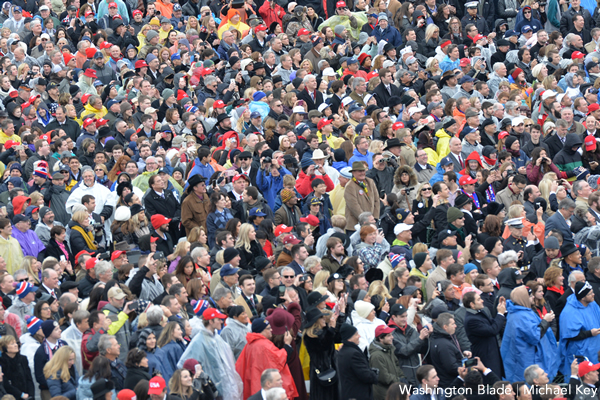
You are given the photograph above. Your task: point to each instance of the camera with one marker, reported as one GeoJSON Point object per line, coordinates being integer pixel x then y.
{"type": "Point", "coordinates": [408, 190]}
{"type": "Point", "coordinates": [159, 255]}
{"type": "Point", "coordinates": [104, 256]}
{"type": "Point", "coordinates": [381, 194]}
{"type": "Point", "coordinates": [97, 225]}
{"type": "Point", "coordinates": [267, 160]}
{"type": "Point", "coordinates": [471, 362]}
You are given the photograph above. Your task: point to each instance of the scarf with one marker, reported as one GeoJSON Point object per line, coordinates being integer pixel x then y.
{"type": "Point", "coordinates": [541, 312]}
{"type": "Point", "coordinates": [251, 304]}
{"type": "Point", "coordinates": [514, 153]}
{"type": "Point", "coordinates": [559, 290]}
{"type": "Point", "coordinates": [87, 236]}
{"type": "Point", "coordinates": [49, 350]}
{"type": "Point", "coordinates": [473, 197]}
{"type": "Point", "coordinates": [490, 194]}
{"type": "Point", "coordinates": [61, 245]}
{"type": "Point", "coordinates": [362, 185]}
{"type": "Point", "coordinates": [489, 161]}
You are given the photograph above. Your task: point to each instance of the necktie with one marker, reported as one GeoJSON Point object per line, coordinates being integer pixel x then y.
{"type": "Point", "coordinates": [462, 165]}
{"type": "Point", "coordinates": [312, 96]}
{"type": "Point", "coordinates": [389, 89]}
{"type": "Point", "coordinates": [52, 293]}
{"type": "Point", "coordinates": [497, 285]}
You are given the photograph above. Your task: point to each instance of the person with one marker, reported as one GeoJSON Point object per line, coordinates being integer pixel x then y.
{"type": "Point", "coordinates": [17, 378]}
{"type": "Point", "coordinates": [116, 310]}
{"type": "Point", "coordinates": [319, 339]}
{"type": "Point", "coordinates": [365, 320]}
{"type": "Point", "coordinates": [578, 332]}
{"type": "Point", "coordinates": [269, 379]}
{"type": "Point", "coordinates": [446, 354]}
{"type": "Point", "coordinates": [356, 376]}
{"type": "Point", "coordinates": [428, 384]}
{"type": "Point", "coordinates": [481, 330]}
{"type": "Point", "coordinates": [61, 374]}
{"type": "Point", "coordinates": [236, 328]}
{"type": "Point", "coordinates": [357, 202]}
{"type": "Point", "coordinates": [526, 340]}
{"type": "Point", "coordinates": [50, 345]}
{"type": "Point", "coordinates": [172, 345]}
{"type": "Point", "coordinates": [261, 352]}
{"type": "Point", "coordinates": [207, 343]}
{"type": "Point", "coordinates": [137, 368]}
{"type": "Point", "coordinates": [383, 359]}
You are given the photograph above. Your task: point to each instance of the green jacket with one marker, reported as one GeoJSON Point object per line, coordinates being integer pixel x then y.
{"type": "Point", "coordinates": [384, 359]}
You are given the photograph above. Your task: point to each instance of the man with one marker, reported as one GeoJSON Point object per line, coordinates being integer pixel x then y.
{"type": "Point", "coordinates": [270, 378]}
{"type": "Point", "coordinates": [382, 357]}
{"type": "Point", "coordinates": [299, 254]}
{"type": "Point", "coordinates": [581, 190]}
{"type": "Point", "coordinates": [97, 326]}
{"type": "Point", "coordinates": [567, 20]}
{"type": "Point", "coordinates": [73, 335]}
{"type": "Point", "coordinates": [247, 298]}
{"type": "Point", "coordinates": [423, 169]}
{"type": "Point", "coordinates": [116, 310]}
{"type": "Point", "coordinates": [311, 96]}
{"type": "Point", "coordinates": [50, 283]}
{"type": "Point", "coordinates": [455, 155]}
{"type": "Point", "coordinates": [386, 88]}
{"type": "Point", "coordinates": [161, 231]}
{"type": "Point", "coordinates": [423, 264]}
{"type": "Point", "coordinates": [512, 192]}
{"type": "Point", "coordinates": [541, 261]}
{"type": "Point", "coordinates": [104, 201]}
{"type": "Point", "coordinates": [566, 208]}
{"type": "Point", "coordinates": [223, 240]}
{"type": "Point", "coordinates": [446, 355]}
{"type": "Point", "coordinates": [229, 279]}
{"type": "Point", "coordinates": [109, 347]}
{"type": "Point", "coordinates": [262, 354]}
{"type": "Point", "coordinates": [333, 260]}
{"type": "Point", "coordinates": [579, 331]}
{"type": "Point", "coordinates": [45, 225]}
{"type": "Point", "coordinates": [477, 321]}
{"type": "Point", "coordinates": [588, 373]}
{"type": "Point", "coordinates": [30, 243]}
{"type": "Point", "coordinates": [272, 279]}
{"type": "Point", "coordinates": [515, 242]}
{"type": "Point", "coordinates": [382, 173]}
{"type": "Point", "coordinates": [428, 380]}
{"type": "Point", "coordinates": [195, 207]}
{"type": "Point", "coordinates": [289, 213]}
{"type": "Point", "coordinates": [51, 344]}
{"type": "Point", "coordinates": [355, 374]}
{"type": "Point", "coordinates": [444, 260]}
{"type": "Point", "coordinates": [24, 302]}
{"type": "Point", "coordinates": [360, 195]}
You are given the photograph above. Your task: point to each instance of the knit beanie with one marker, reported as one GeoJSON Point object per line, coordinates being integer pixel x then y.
{"type": "Point", "coordinates": [453, 214]}
{"type": "Point", "coordinates": [347, 331]}
{"type": "Point", "coordinates": [419, 259]}
{"type": "Point", "coordinates": [166, 93]}
{"type": "Point", "coordinates": [48, 326]}
{"type": "Point", "coordinates": [490, 243]}
{"type": "Point", "coordinates": [516, 73]}
{"type": "Point", "coordinates": [229, 254]}
{"type": "Point", "coordinates": [286, 195]}
{"type": "Point", "coordinates": [363, 308]}
{"type": "Point", "coordinates": [34, 324]}
{"type": "Point", "coordinates": [339, 29]}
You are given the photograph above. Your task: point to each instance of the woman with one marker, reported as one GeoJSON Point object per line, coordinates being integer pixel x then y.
{"type": "Point", "coordinates": [100, 369]}
{"type": "Point", "coordinates": [172, 345]}
{"type": "Point", "coordinates": [233, 226]}
{"type": "Point", "coordinates": [181, 386]}
{"type": "Point", "coordinates": [101, 175]}
{"type": "Point", "coordinates": [405, 183]}
{"type": "Point", "coordinates": [432, 40]}
{"type": "Point", "coordinates": [15, 367]}
{"type": "Point", "coordinates": [540, 306]}
{"type": "Point", "coordinates": [185, 270]}
{"type": "Point", "coordinates": [137, 368]}
{"type": "Point", "coordinates": [182, 248]}
{"type": "Point", "coordinates": [554, 282]}
{"type": "Point", "coordinates": [370, 250]}
{"type": "Point", "coordinates": [319, 339]}
{"type": "Point", "coordinates": [336, 287]}
{"type": "Point", "coordinates": [248, 247]}
{"type": "Point", "coordinates": [527, 338]}
{"type": "Point", "coordinates": [398, 280]}
{"type": "Point", "coordinates": [42, 310]}
{"type": "Point", "coordinates": [81, 237]}
{"type": "Point", "coordinates": [147, 343]}
{"type": "Point", "coordinates": [403, 19]}
{"type": "Point", "coordinates": [61, 375]}
{"type": "Point", "coordinates": [218, 217]}
{"type": "Point", "coordinates": [364, 319]}
{"type": "Point", "coordinates": [57, 245]}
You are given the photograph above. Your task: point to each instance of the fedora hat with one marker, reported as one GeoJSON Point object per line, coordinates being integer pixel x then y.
{"type": "Point", "coordinates": [394, 142]}
{"type": "Point", "coordinates": [358, 166]}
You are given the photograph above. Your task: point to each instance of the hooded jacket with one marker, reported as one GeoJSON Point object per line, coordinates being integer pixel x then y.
{"type": "Point", "coordinates": [443, 143]}
{"type": "Point", "coordinates": [507, 281]}
{"type": "Point", "coordinates": [234, 334]}
{"type": "Point", "coordinates": [445, 355]}
{"type": "Point", "coordinates": [384, 359]}
{"type": "Point", "coordinates": [568, 159]}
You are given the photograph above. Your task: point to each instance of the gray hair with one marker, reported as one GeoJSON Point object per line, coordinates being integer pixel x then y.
{"type": "Point", "coordinates": [569, 37]}
{"type": "Point", "coordinates": [154, 315]}
{"type": "Point", "coordinates": [209, 80]}
{"type": "Point", "coordinates": [80, 315]}
{"type": "Point", "coordinates": [566, 204]}
{"type": "Point", "coordinates": [66, 299]}
{"type": "Point", "coordinates": [507, 257]}
{"type": "Point", "coordinates": [46, 273]}
{"type": "Point", "coordinates": [87, 168]}
{"type": "Point", "coordinates": [561, 123]}
{"type": "Point", "coordinates": [19, 273]}
{"type": "Point", "coordinates": [308, 78]}
{"type": "Point", "coordinates": [105, 343]}
{"type": "Point", "coordinates": [287, 269]}
{"type": "Point", "coordinates": [531, 373]}
{"type": "Point", "coordinates": [363, 218]}
{"type": "Point", "coordinates": [497, 66]}
{"type": "Point", "coordinates": [311, 262]}
{"type": "Point", "coordinates": [498, 106]}
{"type": "Point", "coordinates": [267, 376]}
{"type": "Point", "coordinates": [102, 267]}
{"type": "Point", "coordinates": [356, 82]}
{"type": "Point", "coordinates": [274, 393]}
{"type": "Point", "coordinates": [220, 293]}
{"type": "Point", "coordinates": [268, 53]}
{"type": "Point", "coordinates": [510, 105]}
{"type": "Point", "coordinates": [572, 279]}
{"type": "Point", "coordinates": [198, 252]}
{"type": "Point", "coordinates": [577, 186]}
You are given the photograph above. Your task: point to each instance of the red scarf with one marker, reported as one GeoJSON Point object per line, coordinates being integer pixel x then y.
{"type": "Point", "coordinates": [489, 161]}
{"type": "Point", "coordinates": [560, 290]}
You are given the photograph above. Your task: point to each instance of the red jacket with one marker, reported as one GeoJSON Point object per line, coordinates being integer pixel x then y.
{"type": "Point", "coordinates": [260, 354]}
{"type": "Point", "coordinates": [271, 15]}
{"type": "Point", "coordinates": [303, 183]}
{"type": "Point", "coordinates": [88, 356]}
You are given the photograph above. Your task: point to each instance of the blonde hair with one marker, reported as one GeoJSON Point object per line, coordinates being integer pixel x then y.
{"type": "Point", "coordinates": [314, 329]}
{"type": "Point", "coordinates": [243, 239]}
{"type": "Point", "coordinates": [378, 288]}
{"type": "Point", "coordinates": [431, 29]}
{"type": "Point", "coordinates": [59, 363]}
{"type": "Point", "coordinates": [515, 211]}
{"type": "Point", "coordinates": [419, 248]}
{"type": "Point", "coordinates": [320, 279]}
{"type": "Point", "coordinates": [80, 216]}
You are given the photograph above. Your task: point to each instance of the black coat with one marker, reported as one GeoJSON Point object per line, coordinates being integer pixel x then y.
{"type": "Point", "coordinates": [554, 144]}
{"type": "Point", "coordinates": [17, 375]}
{"type": "Point", "coordinates": [76, 240]}
{"type": "Point", "coordinates": [355, 373]}
{"type": "Point", "coordinates": [445, 356]}
{"type": "Point", "coordinates": [247, 257]}
{"type": "Point", "coordinates": [595, 282]}
{"type": "Point", "coordinates": [481, 331]}
{"type": "Point", "coordinates": [86, 285]}
{"type": "Point", "coordinates": [383, 95]}
{"type": "Point", "coordinates": [322, 357]}
{"type": "Point", "coordinates": [134, 375]}
{"type": "Point", "coordinates": [71, 128]}
{"type": "Point", "coordinates": [52, 250]}
{"type": "Point", "coordinates": [311, 105]}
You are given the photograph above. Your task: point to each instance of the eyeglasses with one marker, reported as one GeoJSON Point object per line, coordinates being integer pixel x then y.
{"type": "Point", "coordinates": [245, 158]}
{"type": "Point", "coordinates": [100, 169]}
{"type": "Point", "coordinates": [528, 125]}
{"type": "Point", "coordinates": [384, 116]}
{"type": "Point", "coordinates": [24, 280]}
{"type": "Point", "coordinates": [46, 308]}
{"type": "Point", "coordinates": [289, 276]}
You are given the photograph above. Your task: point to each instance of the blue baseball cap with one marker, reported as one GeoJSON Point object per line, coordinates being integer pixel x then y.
{"type": "Point", "coordinates": [446, 161]}
{"type": "Point", "coordinates": [175, 56]}
{"type": "Point", "coordinates": [526, 28]}
{"type": "Point", "coordinates": [352, 61]}
{"type": "Point", "coordinates": [228, 269]}
{"type": "Point", "coordinates": [510, 33]}
{"type": "Point", "coordinates": [257, 212]}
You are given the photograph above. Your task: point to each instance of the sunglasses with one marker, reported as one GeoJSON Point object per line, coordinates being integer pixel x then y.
{"type": "Point", "coordinates": [425, 189]}
{"type": "Point", "coordinates": [289, 276]}
{"type": "Point", "coordinates": [528, 126]}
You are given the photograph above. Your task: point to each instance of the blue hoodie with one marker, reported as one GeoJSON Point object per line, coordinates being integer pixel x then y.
{"type": "Point", "coordinates": [205, 170]}
{"type": "Point", "coordinates": [339, 165]}
{"type": "Point", "coordinates": [368, 158]}
{"type": "Point", "coordinates": [270, 186]}
{"type": "Point", "coordinates": [439, 175]}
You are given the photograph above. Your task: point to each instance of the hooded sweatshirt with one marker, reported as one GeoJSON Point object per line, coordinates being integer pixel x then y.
{"type": "Point", "coordinates": [568, 159]}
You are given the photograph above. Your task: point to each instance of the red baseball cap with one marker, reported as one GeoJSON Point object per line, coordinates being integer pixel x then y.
{"type": "Point", "coordinates": [291, 239]}
{"type": "Point", "coordinates": [478, 37]}
{"type": "Point", "coordinates": [464, 62]}
{"type": "Point", "coordinates": [502, 135]}
{"type": "Point", "coordinates": [590, 143]}
{"type": "Point", "coordinates": [105, 45]}
{"type": "Point", "coordinates": [212, 313]}
{"type": "Point", "coordinates": [340, 4]}
{"type": "Point", "coordinates": [85, 98]}
{"type": "Point", "coordinates": [159, 220]}
{"type": "Point", "coordinates": [240, 176]}
{"type": "Point", "coordinates": [82, 252]}
{"type": "Point", "coordinates": [126, 394]}
{"type": "Point", "coordinates": [156, 385]}
{"type": "Point", "coordinates": [117, 254]}
{"type": "Point", "coordinates": [11, 143]}
{"type": "Point", "coordinates": [101, 122]}
{"type": "Point", "coordinates": [586, 367]}
{"type": "Point", "coordinates": [88, 13]}
{"type": "Point", "coordinates": [112, 5]}
{"type": "Point", "coordinates": [323, 122]}
{"type": "Point", "coordinates": [282, 229]}
{"type": "Point", "coordinates": [135, 12]}
{"type": "Point", "coordinates": [466, 180]}
{"type": "Point", "coordinates": [303, 31]}
{"type": "Point", "coordinates": [153, 239]}
{"type": "Point", "coordinates": [90, 73]}
{"type": "Point", "coordinates": [88, 121]}
{"type": "Point", "coordinates": [140, 64]}
{"type": "Point", "coordinates": [311, 220]}
{"type": "Point", "coordinates": [91, 263]}
{"type": "Point", "coordinates": [219, 104]}
{"type": "Point", "coordinates": [260, 27]}
{"type": "Point", "coordinates": [577, 54]}
{"type": "Point", "coordinates": [593, 107]}
{"type": "Point", "coordinates": [398, 125]}
{"type": "Point", "coordinates": [383, 330]}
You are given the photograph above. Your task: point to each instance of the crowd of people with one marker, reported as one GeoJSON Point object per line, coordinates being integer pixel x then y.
{"type": "Point", "coordinates": [268, 200]}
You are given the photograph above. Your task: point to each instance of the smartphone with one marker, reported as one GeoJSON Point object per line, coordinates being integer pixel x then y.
{"type": "Point", "coordinates": [579, 359]}
{"type": "Point", "coordinates": [62, 258]}
{"type": "Point", "coordinates": [198, 368]}
{"type": "Point", "coordinates": [133, 305]}
{"type": "Point", "coordinates": [469, 362]}
{"type": "Point", "coordinates": [158, 255]}
{"type": "Point", "coordinates": [439, 287]}
{"type": "Point", "coordinates": [300, 102]}
{"type": "Point", "coordinates": [281, 291]}
{"type": "Point", "coordinates": [232, 81]}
